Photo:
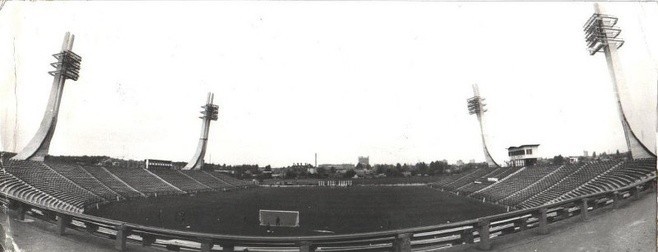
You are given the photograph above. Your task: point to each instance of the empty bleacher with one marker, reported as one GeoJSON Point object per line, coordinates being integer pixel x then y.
{"type": "Point", "coordinates": [231, 180]}
{"type": "Point", "coordinates": [180, 180]}
{"type": "Point", "coordinates": [483, 181]}
{"type": "Point", "coordinates": [111, 181]}
{"type": "Point", "coordinates": [619, 176]}
{"type": "Point", "coordinates": [208, 179]}
{"type": "Point", "coordinates": [16, 188]}
{"type": "Point", "coordinates": [84, 179]}
{"type": "Point", "coordinates": [516, 183]}
{"type": "Point", "coordinates": [468, 178]}
{"type": "Point", "coordinates": [46, 180]}
{"type": "Point", "coordinates": [580, 176]}
{"type": "Point", "coordinates": [143, 181]}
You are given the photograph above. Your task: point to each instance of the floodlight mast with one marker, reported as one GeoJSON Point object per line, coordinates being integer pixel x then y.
{"type": "Point", "coordinates": [66, 67]}
{"type": "Point", "coordinates": [602, 35]}
{"type": "Point", "coordinates": [476, 106]}
{"type": "Point", "coordinates": [209, 113]}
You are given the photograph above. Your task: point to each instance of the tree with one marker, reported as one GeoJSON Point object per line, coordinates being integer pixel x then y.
{"type": "Point", "coordinates": [291, 174]}
{"type": "Point", "coordinates": [350, 174]}
{"type": "Point", "coordinates": [379, 169]}
{"type": "Point", "coordinates": [558, 160]}
{"type": "Point", "coordinates": [594, 154]}
{"type": "Point", "coordinates": [322, 172]}
{"type": "Point", "coordinates": [422, 168]}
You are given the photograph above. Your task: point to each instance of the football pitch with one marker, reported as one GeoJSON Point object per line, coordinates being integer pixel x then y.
{"type": "Point", "coordinates": [322, 210]}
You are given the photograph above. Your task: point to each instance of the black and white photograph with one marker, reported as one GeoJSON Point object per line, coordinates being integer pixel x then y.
{"type": "Point", "coordinates": [280, 126]}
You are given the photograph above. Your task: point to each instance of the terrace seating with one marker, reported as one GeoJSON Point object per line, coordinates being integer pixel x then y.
{"type": "Point", "coordinates": [515, 183]}
{"type": "Point", "coordinates": [579, 177]}
{"type": "Point", "coordinates": [111, 181]}
{"type": "Point", "coordinates": [84, 179]}
{"type": "Point", "coordinates": [483, 181]}
{"type": "Point", "coordinates": [231, 180]}
{"type": "Point", "coordinates": [446, 179]}
{"type": "Point", "coordinates": [143, 181]}
{"type": "Point", "coordinates": [208, 179]}
{"type": "Point", "coordinates": [617, 177]}
{"type": "Point", "coordinates": [16, 188]}
{"type": "Point", "coordinates": [504, 173]}
{"type": "Point", "coordinates": [180, 180]}
{"type": "Point", "coordinates": [549, 180]}
{"type": "Point", "coordinates": [41, 177]}
{"type": "Point", "coordinates": [468, 178]}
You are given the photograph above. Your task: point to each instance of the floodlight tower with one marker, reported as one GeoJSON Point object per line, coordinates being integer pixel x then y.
{"type": "Point", "coordinates": [602, 35]}
{"type": "Point", "coordinates": [209, 113]}
{"type": "Point", "coordinates": [66, 67]}
{"type": "Point", "coordinates": [476, 105]}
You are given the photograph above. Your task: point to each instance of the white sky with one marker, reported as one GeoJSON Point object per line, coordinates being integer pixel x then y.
{"type": "Point", "coordinates": [387, 80]}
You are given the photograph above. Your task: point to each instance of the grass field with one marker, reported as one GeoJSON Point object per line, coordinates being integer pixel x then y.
{"type": "Point", "coordinates": [339, 210]}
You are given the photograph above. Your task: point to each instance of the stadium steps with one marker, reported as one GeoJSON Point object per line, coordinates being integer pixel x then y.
{"type": "Point", "coordinates": [577, 191]}
{"type": "Point", "coordinates": [164, 181]}
{"type": "Point", "coordinates": [45, 179]}
{"type": "Point", "coordinates": [541, 196]}
{"type": "Point", "coordinates": [467, 179]}
{"type": "Point", "coordinates": [500, 180]}
{"type": "Point", "coordinates": [445, 180]}
{"type": "Point", "coordinates": [219, 179]}
{"type": "Point", "coordinates": [474, 186]}
{"type": "Point", "coordinates": [617, 177]}
{"type": "Point", "coordinates": [537, 186]}
{"type": "Point", "coordinates": [143, 181]}
{"type": "Point", "coordinates": [13, 186]}
{"type": "Point", "coordinates": [533, 183]}
{"type": "Point", "coordinates": [469, 187]}
{"type": "Point", "coordinates": [113, 182]}
{"type": "Point", "coordinates": [583, 174]}
{"type": "Point", "coordinates": [179, 180]}
{"type": "Point", "coordinates": [116, 194]}
{"type": "Point", "coordinates": [514, 183]}
{"type": "Point", "coordinates": [199, 182]}
{"type": "Point", "coordinates": [461, 177]}
{"type": "Point", "coordinates": [71, 176]}
{"type": "Point", "coordinates": [206, 179]}
{"type": "Point", "coordinates": [507, 172]}
{"type": "Point", "coordinates": [499, 174]}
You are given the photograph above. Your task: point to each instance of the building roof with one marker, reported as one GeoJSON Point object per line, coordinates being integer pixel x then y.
{"type": "Point", "coordinates": [521, 146]}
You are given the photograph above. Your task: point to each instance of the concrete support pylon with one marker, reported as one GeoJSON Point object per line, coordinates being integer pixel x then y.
{"type": "Point", "coordinates": [476, 106]}
{"type": "Point", "coordinates": [209, 113]}
{"type": "Point", "coordinates": [67, 67]}
{"type": "Point", "coordinates": [602, 34]}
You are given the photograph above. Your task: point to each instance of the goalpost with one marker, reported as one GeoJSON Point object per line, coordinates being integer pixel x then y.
{"type": "Point", "coordinates": [278, 218]}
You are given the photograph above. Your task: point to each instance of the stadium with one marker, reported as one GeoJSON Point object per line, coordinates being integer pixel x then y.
{"type": "Point", "coordinates": [158, 204]}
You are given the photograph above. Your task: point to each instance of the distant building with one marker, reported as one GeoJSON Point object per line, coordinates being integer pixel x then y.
{"type": "Point", "coordinates": [365, 161]}
{"type": "Point", "coordinates": [574, 159]}
{"type": "Point", "coordinates": [524, 155]}
{"type": "Point", "coordinates": [338, 167]}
